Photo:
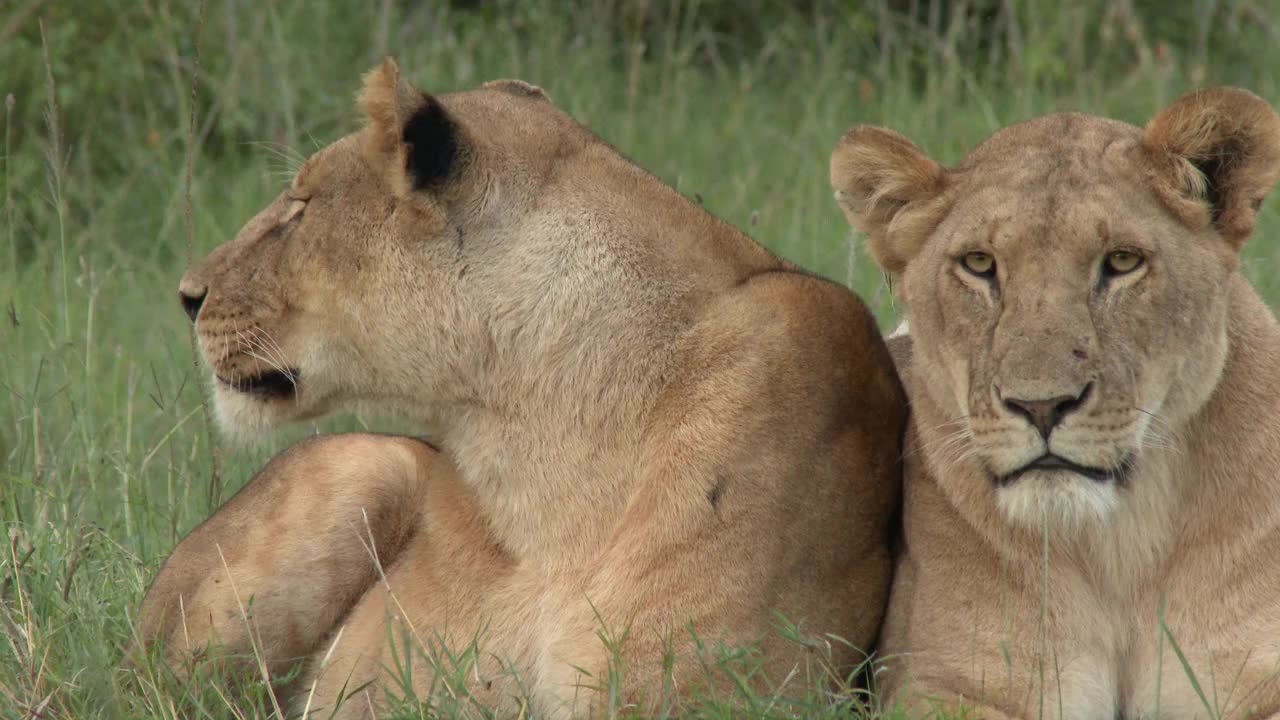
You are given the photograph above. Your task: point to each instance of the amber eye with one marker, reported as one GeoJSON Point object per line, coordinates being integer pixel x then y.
{"type": "Point", "coordinates": [980, 264]}
{"type": "Point", "coordinates": [1122, 262]}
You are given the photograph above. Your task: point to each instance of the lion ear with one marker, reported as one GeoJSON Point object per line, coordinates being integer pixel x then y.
{"type": "Point", "coordinates": [1216, 155]}
{"type": "Point", "coordinates": [409, 126]}
{"type": "Point", "coordinates": [879, 178]}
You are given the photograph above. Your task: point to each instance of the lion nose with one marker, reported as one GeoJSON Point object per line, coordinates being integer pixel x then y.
{"type": "Point", "coordinates": [192, 298]}
{"type": "Point", "coordinates": [1045, 414]}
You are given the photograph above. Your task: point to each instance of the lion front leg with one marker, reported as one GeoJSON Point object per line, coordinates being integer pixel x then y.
{"type": "Point", "coordinates": [451, 622]}
{"type": "Point", "coordinates": [271, 573]}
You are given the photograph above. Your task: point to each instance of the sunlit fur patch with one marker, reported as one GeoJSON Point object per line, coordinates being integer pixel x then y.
{"type": "Point", "coordinates": [1057, 500]}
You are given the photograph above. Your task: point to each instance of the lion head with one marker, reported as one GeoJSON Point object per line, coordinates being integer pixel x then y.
{"type": "Point", "coordinates": [409, 263]}
{"type": "Point", "coordinates": [1066, 287]}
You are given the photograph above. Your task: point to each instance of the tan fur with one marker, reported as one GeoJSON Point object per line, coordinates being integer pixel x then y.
{"type": "Point", "coordinates": [1041, 595]}
{"type": "Point", "coordinates": [645, 420]}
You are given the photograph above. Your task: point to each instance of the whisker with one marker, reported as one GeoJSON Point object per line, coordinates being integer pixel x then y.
{"type": "Point", "coordinates": [285, 153]}
{"type": "Point", "coordinates": [269, 345]}
{"type": "Point", "coordinates": [275, 357]}
{"type": "Point", "coordinates": [250, 347]}
{"type": "Point", "coordinates": [1160, 434]}
{"type": "Point", "coordinates": [953, 448]}
{"type": "Point", "coordinates": [958, 436]}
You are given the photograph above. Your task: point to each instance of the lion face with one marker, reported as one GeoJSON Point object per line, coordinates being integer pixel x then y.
{"type": "Point", "coordinates": [1065, 333]}
{"type": "Point", "coordinates": [1065, 285]}
{"type": "Point", "coordinates": [371, 279]}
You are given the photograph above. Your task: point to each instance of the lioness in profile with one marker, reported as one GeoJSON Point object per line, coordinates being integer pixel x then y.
{"type": "Point", "coordinates": [1093, 459]}
{"type": "Point", "coordinates": [645, 423]}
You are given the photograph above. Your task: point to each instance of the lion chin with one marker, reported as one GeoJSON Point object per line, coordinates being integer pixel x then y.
{"type": "Point", "coordinates": [1053, 493]}
{"type": "Point", "coordinates": [247, 417]}
{"type": "Point", "coordinates": [1058, 500]}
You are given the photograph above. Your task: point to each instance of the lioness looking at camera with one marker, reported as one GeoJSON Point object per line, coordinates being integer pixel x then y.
{"type": "Point", "coordinates": [1093, 459]}
{"type": "Point", "coordinates": [645, 423]}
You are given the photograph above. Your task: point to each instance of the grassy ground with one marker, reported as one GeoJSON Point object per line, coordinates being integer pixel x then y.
{"type": "Point", "coordinates": [105, 457]}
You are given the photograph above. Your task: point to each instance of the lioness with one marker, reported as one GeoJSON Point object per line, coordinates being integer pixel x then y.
{"type": "Point", "coordinates": [645, 423]}
{"type": "Point", "coordinates": [1093, 459]}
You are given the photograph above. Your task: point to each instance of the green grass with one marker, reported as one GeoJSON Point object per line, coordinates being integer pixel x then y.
{"type": "Point", "coordinates": [105, 459]}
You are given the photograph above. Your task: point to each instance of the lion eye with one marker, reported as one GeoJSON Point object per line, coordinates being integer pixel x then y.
{"type": "Point", "coordinates": [1122, 262]}
{"type": "Point", "coordinates": [980, 264]}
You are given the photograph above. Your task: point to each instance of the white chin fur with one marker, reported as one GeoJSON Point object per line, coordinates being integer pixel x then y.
{"type": "Point", "coordinates": [1057, 501]}
{"type": "Point", "coordinates": [243, 419]}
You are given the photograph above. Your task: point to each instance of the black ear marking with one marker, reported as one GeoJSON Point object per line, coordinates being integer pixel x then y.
{"type": "Point", "coordinates": [432, 140]}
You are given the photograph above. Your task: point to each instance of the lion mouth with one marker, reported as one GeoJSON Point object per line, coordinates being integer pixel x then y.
{"type": "Point", "coordinates": [1049, 461]}
{"type": "Point", "coordinates": [269, 385]}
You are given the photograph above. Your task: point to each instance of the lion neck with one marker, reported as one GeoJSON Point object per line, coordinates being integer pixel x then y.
{"type": "Point", "coordinates": [551, 444]}
{"type": "Point", "coordinates": [551, 462]}
{"type": "Point", "coordinates": [1233, 443]}
{"type": "Point", "coordinates": [1217, 483]}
